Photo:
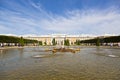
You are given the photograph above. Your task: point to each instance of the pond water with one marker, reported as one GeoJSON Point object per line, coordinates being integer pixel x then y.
{"type": "Point", "coordinates": [88, 64]}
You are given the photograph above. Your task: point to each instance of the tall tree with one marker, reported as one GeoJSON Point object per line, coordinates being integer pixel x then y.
{"type": "Point", "coordinates": [21, 41]}
{"type": "Point", "coordinates": [66, 42]}
{"type": "Point", "coordinates": [40, 43]}
{"type": "Point", "coordinates": [77, 42]}
{"type": "Point", "coordinates": [45, 43]}
{"type": "Point", "coordinates": [53, 41]}
{"type": "Point", "coordinates": [98, 42]}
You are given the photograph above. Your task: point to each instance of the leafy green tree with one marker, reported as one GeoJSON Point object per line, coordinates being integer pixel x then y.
{"type": "Point", "coordinates": [77, 42]}
{"type": "Point", "coordinates": [45, 43]}
{"type": "Point", "coordinates": [66, 42]}
{"type": "Point", "coordinates": [53, 41]}
{"type": "Point", "coordinates": [98, 42]}
{"type": "Point", "coordinates": [21, 41]}
{"type": "Point", "coordinates": [13, 39]}
{"type": "Point", "coordinates": [40, 43]}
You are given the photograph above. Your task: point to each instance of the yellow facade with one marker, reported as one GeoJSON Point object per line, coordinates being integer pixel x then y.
{"type": "Point", "coordinates": [58, 38]}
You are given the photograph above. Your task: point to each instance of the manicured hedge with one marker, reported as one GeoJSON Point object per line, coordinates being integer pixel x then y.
{"type": "Point", "coordinates": [12, 39]}
{"type": "Point", "coordinates": [111, 39]}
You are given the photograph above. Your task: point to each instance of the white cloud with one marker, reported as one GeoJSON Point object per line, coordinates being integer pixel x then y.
{"type": "Point", "coordinates": [33, 19]}
{"type": "Point", "coordinates": [94, 22]}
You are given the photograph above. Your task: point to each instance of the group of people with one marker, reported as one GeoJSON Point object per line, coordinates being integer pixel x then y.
{"type": "Point", "coordinates": [111, 44]}
{"type": "Point", "coordinates": [119, 44]}
{"type": "Point", "coordinates": [1, 45]}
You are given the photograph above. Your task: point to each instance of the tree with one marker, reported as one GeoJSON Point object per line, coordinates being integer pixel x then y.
{"type": "Point", "coordinates": [45, 43]}
{"type": "Point", "coordinates": [53, 41]}
{"type": "Point", "coordinates": [66, 42]}
{"type": "Point", "coordinates": [16, 40]}
{"type": "Point", "coordinates": [21, 41]}
{"type": "Point", "coordinates": [40, 43]}
{"type": "Point", "coordinates": [98, 42]}
{"type": "Point", "coordinates": [77, 42]}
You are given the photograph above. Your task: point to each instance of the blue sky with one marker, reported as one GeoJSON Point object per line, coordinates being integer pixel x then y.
{"type": "Point", "coordinates": [59, 16]}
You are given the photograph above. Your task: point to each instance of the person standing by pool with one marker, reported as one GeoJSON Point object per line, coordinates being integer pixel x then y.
{"type": "Point", "coordinates": [111, 44]}
{"type": "Point", "coordinates": [1, 45]}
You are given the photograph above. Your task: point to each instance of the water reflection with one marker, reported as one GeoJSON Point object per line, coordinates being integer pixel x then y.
{"type": "Point", "coordinates": [114, 53]}
{"type": "Point", "coordinates": [21, 52]}
{"type": "Point", "coordinates": [88, 64]}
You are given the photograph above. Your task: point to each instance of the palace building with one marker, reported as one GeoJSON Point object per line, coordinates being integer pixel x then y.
{"type": "Point", "coordinates": [59, 38]}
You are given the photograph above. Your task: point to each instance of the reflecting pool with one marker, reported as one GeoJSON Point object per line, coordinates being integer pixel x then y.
{"type": "Point", "coordinates": [88, 64]}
